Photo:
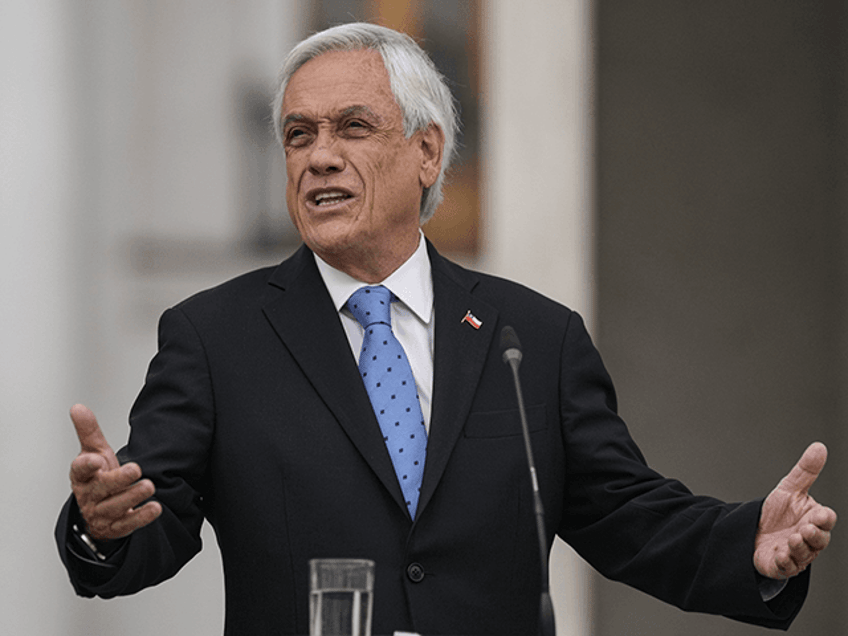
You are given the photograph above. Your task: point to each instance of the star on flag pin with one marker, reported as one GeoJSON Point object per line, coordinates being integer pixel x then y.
{"type": "Point", "coordinates": [472, 320]}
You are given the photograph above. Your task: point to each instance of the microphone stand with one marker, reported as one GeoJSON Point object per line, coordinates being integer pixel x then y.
{"type": "Point", "coordinates": [512, 356]}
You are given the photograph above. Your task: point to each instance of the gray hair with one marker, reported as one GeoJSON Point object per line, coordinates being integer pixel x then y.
{"type": "Point", "coordinates": [419, 89]}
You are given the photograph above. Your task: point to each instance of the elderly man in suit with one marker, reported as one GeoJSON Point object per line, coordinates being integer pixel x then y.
{"type": "Point", "coordinates": [352, 402]}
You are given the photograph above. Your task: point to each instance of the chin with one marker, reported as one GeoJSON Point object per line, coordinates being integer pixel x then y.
{"type": "Point", "coordinates": [329, 240]}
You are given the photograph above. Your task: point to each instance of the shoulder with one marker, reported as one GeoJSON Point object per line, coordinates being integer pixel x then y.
{"type": "Point", "coordinates": [502, 293]}
{"type": "Point", "coordinates": [236, 304]}
{"type": "Point", "coordinates": [243, 288]}
{"type": "Point", "coordinates": [248, 290]}
{"type": "Point", "coordinates": [544, 326]}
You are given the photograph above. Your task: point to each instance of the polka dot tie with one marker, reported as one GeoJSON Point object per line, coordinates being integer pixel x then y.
{"type": "Point", "coordinates": [388, 379]}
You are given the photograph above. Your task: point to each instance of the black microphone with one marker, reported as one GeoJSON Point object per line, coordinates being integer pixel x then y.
{"type": "Point", "coordinates": [511, 348]}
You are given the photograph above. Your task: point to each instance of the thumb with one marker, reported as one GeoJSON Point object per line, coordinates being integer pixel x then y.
{"type": "Point", "coordinates": [90, 436]}
{"type": "Point", "coordinates": [805, 472]}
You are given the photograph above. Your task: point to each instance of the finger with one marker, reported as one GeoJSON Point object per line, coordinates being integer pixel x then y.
{"type": "Point", "coordinates": [805, 472]}
{"type": "Point", "coordinates": [89, 467]}
{"type": "Point", "coordinates": [800, 553]}
{"type": "Point", "coordinates": [90, 436]}
{"type": "Point", "coordinates": [791, 562]}
{"type": "Point", "coordinates": [138, 518]}
{"type": "Point", "coordinates": [824, 518]}
{"type": "Point", "coordinates": [92, 488]}
{"type": "Point", "coordinates": [111, 482]}
{"type": "Point", "coordinates": [815, 538]}
{"type": "Point", "coordinates": [784, 564]}
{"type": "Point", "coordinates": [120, 504]}
{"type": "Point", "coordinates": [128, 523]}
{"type": "Point", "coordinates": [773, 563]}
{"type": "Point", "coordinates": [121, 478]}
{"type": "Point", "coordinates": [85, 467]}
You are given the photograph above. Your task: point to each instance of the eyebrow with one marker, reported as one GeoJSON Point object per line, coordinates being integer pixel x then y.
{"type": "Point", "coordinates": [290, 118]}
{"type": "Point", "coordinates": [358, 109]}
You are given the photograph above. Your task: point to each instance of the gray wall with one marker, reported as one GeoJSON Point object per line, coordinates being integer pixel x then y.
{"type": "Point", "coordinates": [721, 199]}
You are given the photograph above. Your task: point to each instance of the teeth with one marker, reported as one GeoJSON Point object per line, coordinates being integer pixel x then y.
{"type": "Point", "coordinates": [328, 198]}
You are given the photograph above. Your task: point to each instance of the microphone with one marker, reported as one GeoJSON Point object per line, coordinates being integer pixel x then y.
{"type": "Point", "coordinates": [511, 348]}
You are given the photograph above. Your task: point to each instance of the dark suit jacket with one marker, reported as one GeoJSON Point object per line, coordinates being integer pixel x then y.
{"type": "Point", "coordinates": [253, 416]}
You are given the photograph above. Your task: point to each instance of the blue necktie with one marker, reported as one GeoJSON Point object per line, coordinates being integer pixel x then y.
{"type": "Point", "coordinates": [388, 379]}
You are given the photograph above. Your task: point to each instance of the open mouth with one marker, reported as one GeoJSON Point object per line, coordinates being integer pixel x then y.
{"type": "Point", "coordinates": [330, 197]}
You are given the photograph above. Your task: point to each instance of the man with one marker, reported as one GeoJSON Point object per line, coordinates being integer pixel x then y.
{"type": "Point", "coordinates": [257, 416]}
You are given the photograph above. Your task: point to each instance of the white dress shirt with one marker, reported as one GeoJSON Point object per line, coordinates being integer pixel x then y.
{"type": "Point", "coordinates": [412, 317]}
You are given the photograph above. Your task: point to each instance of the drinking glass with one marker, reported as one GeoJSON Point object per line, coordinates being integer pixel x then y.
{"type": "Point", "coordinates": [341, 595]}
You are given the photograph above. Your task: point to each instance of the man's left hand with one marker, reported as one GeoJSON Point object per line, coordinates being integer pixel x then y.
{"type": "Point", "coordinates": [793, 528]}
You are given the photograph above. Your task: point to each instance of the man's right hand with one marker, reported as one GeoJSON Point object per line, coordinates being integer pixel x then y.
{"type": "Point", "coordinates": [106, 492]}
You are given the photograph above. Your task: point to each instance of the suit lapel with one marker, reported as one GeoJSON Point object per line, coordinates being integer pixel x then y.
{"type": "Point", "coordinates": [458, 359]}
{"type": "Point", "coordinates": [306, 321]}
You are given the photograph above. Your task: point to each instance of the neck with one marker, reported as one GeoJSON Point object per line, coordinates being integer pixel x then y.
{"type": "Point", "coordinates": [369, 265]}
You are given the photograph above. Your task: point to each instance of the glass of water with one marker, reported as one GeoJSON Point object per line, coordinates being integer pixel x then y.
{"type": "Point", "coordinates": [341, 595]}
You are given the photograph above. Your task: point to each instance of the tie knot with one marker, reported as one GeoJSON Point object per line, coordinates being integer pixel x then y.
{"type": "Point", "coordinates": [370, 305]}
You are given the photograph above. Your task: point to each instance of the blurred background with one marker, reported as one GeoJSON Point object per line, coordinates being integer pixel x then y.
{"type": "Point", "coordinates": [676, 171]}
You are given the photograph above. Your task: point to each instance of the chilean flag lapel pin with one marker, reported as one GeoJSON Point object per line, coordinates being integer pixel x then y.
{"type": "Point", "coordinates": [472, 320]}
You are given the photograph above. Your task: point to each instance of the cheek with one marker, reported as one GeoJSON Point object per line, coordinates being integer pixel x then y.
{"type": "Point", "coordinates": [292, 202]}
{"type": "Point", "coordinates": [291, 167]}
{"type": "Point", "coordinates": [292, 180]}
{"type": "Point", "coordinates": [397, 179]}
{"type": "Point", "coordinates": [392, 168]}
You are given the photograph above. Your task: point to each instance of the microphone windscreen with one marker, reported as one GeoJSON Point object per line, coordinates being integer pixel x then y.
{"type": "Point", "coordinates": [509, 339]}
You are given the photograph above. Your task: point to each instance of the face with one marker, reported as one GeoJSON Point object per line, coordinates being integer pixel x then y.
{"type": "Point", "coordinates": [354, 181]}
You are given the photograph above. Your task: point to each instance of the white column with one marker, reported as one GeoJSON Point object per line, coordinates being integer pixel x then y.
{"type": "Point", "coordinates": [537, 166]}
{"type": "Point", "coordinates": [37, 311]}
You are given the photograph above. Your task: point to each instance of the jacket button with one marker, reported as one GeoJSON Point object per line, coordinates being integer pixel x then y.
{"type": "Point", "coordinates": [415, 572]}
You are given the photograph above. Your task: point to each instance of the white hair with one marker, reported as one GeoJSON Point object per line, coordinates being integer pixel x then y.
{"type": "Point", "coordinates": [419, 89]}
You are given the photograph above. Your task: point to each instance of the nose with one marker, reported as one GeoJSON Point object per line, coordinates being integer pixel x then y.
{"type": "Point", "coordinates": [326, 157]}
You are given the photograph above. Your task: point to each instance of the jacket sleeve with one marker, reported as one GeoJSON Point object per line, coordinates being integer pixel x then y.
{"type": "Point", "coordinates": [635, 526]}
{"type": "Point", "coordinates": [172, 423]}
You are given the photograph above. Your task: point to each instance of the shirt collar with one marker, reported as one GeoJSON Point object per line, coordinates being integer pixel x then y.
{"type": "Point", "coordinates": [412, 282]}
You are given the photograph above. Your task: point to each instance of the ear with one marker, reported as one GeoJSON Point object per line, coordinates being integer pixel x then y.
{"type": "Point", "coordinates": [431, 142]}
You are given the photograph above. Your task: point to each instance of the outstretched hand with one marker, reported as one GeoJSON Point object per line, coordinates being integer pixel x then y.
{"type": "Point", "coordinates": [793, 528]}
{"type": "Point", "coordinates": [106, 492]}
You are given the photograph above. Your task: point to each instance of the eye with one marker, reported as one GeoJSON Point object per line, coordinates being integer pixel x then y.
{"type": "Point", "coordinates": [296, 136]}
{"type": "Point", "coordinates": [356, 128]}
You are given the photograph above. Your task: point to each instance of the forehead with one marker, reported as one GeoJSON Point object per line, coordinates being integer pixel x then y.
{"type": "Point", "coordinates": [336, 81]}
